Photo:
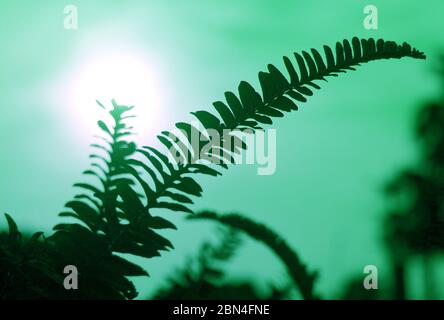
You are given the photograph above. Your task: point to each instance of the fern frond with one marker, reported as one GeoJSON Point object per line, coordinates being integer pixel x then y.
{"type": "Point", "coordinates": [170, 171]}
{"type": "Point", "coordinates": [202, 275]}
{"type": "Point", "coordinates": [297, 270]}
{"type": "Point", "coordinates": [112, 215]}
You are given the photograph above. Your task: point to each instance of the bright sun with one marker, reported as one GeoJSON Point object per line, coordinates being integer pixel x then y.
{"type": "Point", "coordinates": [125, 76]}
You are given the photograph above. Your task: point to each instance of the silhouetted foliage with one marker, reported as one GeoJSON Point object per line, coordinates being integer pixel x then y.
{"type": "Point", "coordinates": [415, 224]}
{"type": "Point", "coordinates": [115, 214]}
{"type": "Point", "coordinates": [302, 279]}
{"type": "Point", "coordinates": [204, 276]}
{"type": "Point", "coordinates": [27, 266]}
{"type": "Point", "coordinates": [415, 221]}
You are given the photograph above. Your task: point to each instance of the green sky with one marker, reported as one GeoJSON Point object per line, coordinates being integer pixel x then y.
{"type": "Point", "coordinates": [333, 156]}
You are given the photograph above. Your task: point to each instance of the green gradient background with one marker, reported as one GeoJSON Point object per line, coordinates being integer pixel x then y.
{"type": "Point", "coordinates": [333, 155]}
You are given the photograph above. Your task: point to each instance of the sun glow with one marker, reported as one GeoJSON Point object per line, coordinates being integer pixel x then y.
{"type": "Point", "coordinates": [127, 77]}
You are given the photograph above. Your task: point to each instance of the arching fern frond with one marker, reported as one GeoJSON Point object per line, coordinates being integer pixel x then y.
{"type": "Point", "coordinates": [170, 171]}
{"type": "Point", "coordinates": [301, 277]}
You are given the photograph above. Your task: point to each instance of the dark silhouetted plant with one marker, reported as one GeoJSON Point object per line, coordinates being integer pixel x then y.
{"type": "Point", "coordinates": [302, 279]}
{"type": "Point", "coordinates": [116, 213]}
{"type": "Point", "coordinates": [204, 276]}
{"type": "Point", "coordinates": [415, 221]}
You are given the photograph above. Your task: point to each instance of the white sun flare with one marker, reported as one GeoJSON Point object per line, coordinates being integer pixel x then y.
{"type": "Point", "coordinates": [129, 78]}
